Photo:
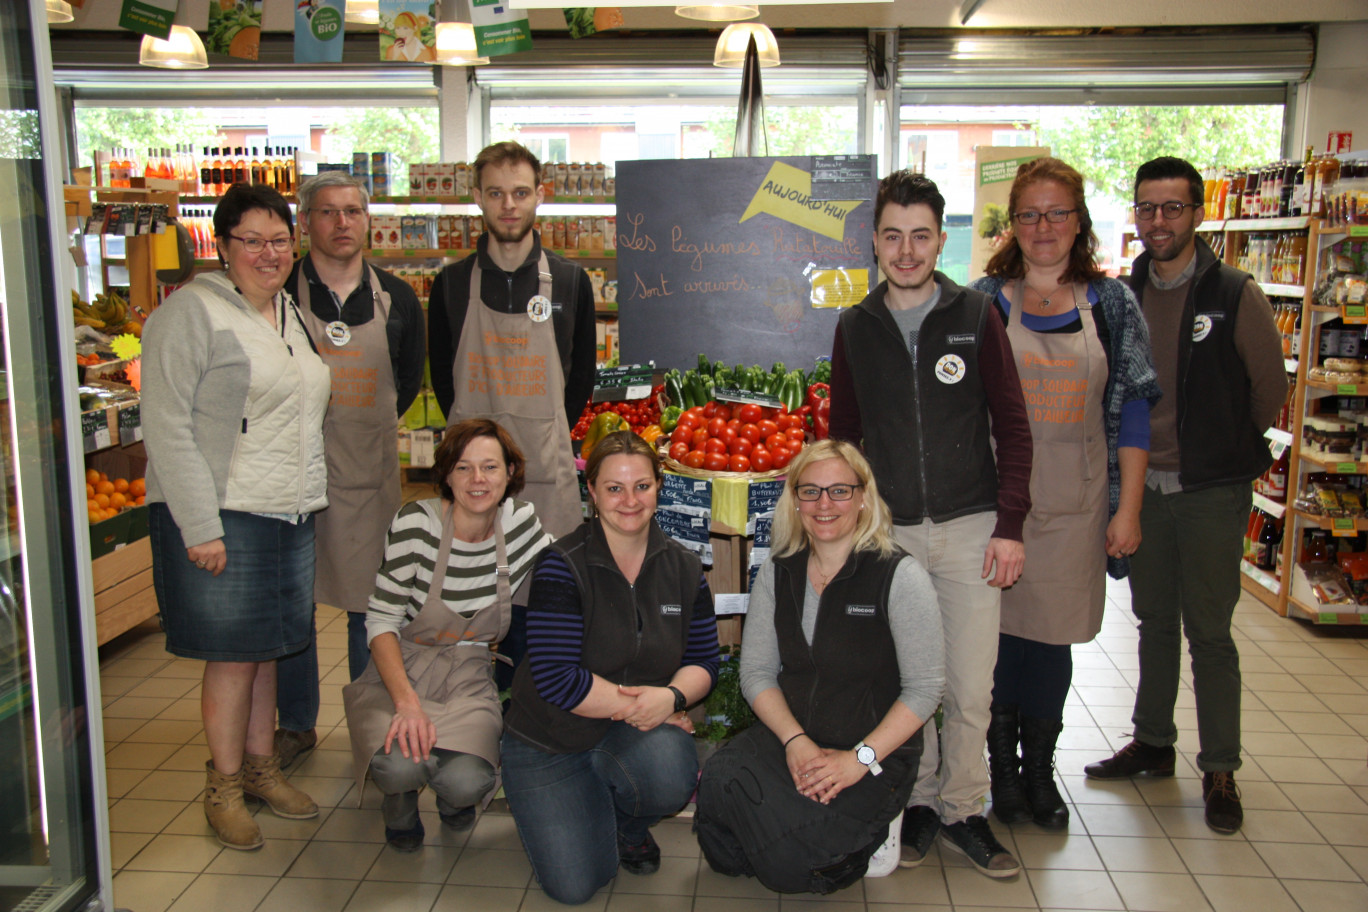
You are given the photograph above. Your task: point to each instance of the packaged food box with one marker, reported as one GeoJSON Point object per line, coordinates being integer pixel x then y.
{"type": "Point", "coordinates": [461, 181]}
{"type": "Point", "coordinates": [417, 178]}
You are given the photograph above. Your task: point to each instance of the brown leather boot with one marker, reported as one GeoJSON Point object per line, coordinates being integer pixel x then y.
{"type": "Point", "coordinates": [226, 812]}
{"type": "Point", "coordinates": [262, 778]}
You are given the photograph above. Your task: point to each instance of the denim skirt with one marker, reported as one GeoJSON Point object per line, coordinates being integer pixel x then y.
{"type": "Point", "coordinates": [259, 608]}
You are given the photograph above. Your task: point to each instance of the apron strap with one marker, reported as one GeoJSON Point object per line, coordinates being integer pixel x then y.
{"type": "Point", "coordinates": [503, 575]}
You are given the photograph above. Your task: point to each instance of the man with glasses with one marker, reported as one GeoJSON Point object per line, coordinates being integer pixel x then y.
{"type": "Point", "coordinates": [368, 327]}
{"type": "Point", "coordinates": [1218, 354]}
{"type": "Point", "coordinates": [922, 377]}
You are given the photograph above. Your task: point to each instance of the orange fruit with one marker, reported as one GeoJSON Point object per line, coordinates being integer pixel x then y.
{"type": "Point", "coordinates": [104, 477]}
{"type": "Point", "coordinates": [121, 485]}
{"type": "Point", "coordinates": [94, 516]}
{"type": "Point", "coordinates": [92, 476]}
{"type": "Point", "coordinates": [90, 490]}
{"type": "Point", "coordinates": [102, 500]}
{"type": "Point", "coordinates": [142, 498]}
{"type": "Point", "coordinates": [137, 487]}
{"type": "Point", "coordinates": [110, 514]}
{"type": "Point", "coordinates": [91, 504]}
{"type": "Point", "coordinates": [104, 487]}
{"type": "Point", "coordinates": [117, 500]}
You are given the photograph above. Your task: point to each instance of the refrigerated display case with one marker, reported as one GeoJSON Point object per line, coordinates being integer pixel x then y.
{"type": "Point", "coordinates": [53, 818]}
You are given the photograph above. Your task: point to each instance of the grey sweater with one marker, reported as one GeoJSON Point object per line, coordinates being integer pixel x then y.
{"type": "Point", "coordinates": [913, 618]}
{"type": "Point", "coordinates": [232, 409]}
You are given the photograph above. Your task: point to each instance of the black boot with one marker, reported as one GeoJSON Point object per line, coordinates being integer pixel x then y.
{"type": "Point", "coordinates": [1009, 800]}
{"type": "Point", "coordinates": [1038, 737]}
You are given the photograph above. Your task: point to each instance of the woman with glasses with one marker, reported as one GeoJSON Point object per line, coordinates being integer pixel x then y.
{"type": "Point", "coordinates": [1083, 353]}
{"type": "Point", "coordinates": [843, 662]}
{"type": "Point", "coordinates": [621, 639]}
{"type": "Point", "coordinates": [233, 399]}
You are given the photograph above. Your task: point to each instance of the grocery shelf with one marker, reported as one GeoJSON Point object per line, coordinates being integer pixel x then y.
{"type": "Point", "coordinates": [1268, 505]}
{"type": "Point", "coordinates": [1268, 224]}
{"type": "Point", "coordinates": [1347, 467]}
{"type": "Point", "coordinates": [1335, 525]}
{"type": "Point", "coordinates": [1275, 290]}
{"type": "Point", "coordinates": [1316, 615]}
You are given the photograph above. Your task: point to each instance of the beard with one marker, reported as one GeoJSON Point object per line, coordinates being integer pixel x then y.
{"type": "Point", "coordinates": [510, 235]}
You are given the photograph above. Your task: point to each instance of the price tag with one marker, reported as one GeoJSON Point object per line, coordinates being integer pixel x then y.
{"type": "Point", "coordinates": [1277, 448]}
{"type": "Point", "coordinates": [1342, 526]}
{"type": "Point", "coordinates": [130, 423]}
{"type": "Point", "coordinates": [746, 397]}
{"type": "Point", "coordinates": [1346, 389]}
{"type": "Point", "coordinates": [731, 603]}
{"type": "Point", "coordinates": [630, 382]}
{"type": "Point", "coordinates": [1346, 468]}
{"type": "Point", "coordinates": [1354, 313]}
{"type": "Point", "coordinates": [95, 430]}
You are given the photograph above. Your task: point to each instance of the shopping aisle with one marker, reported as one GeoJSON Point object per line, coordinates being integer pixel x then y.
{"type": "Point", "coordinates": [1137, 846]}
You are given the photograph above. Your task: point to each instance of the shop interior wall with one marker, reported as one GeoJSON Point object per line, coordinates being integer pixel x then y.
{"type": "Point", "coordinates": [1334, 96]}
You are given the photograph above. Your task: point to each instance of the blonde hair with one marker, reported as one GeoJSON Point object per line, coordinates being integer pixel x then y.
{"type": "Point", "coordinates": [874, 525]}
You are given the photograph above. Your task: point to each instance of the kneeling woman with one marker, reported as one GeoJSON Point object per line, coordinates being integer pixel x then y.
{"type": "Point", "coordinates": [620, 639]}
{"type": "Point", "coordinates": [425, 711]}
{"type": "Point", "coordinates": [842, 661]}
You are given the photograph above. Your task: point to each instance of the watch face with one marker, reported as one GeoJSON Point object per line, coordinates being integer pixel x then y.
{"type": "Point", "coordinates": [865, 755]}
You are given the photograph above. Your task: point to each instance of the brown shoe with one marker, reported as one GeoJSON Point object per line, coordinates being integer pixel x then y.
{"type": "Point", "coordinates": [1224, 813]}
{"type": "Point", "coordinates": [261, 778]}
{"type": "Point", "coordinates": [290, 744]}
{"type": "Point", "coordinates": [226, 812]}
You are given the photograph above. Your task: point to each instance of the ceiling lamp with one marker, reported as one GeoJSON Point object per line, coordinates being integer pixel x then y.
{"type": "Point", "coordinates": [456, 46]}
{"type": "Point", "coordinates": [182, 50]}
{"type": "Point", "coordinates": [59, 11]}
{"type": "Point", "coordinates": [363, 12]}
{"type": "Point", "coordinates": [731, 46]}
{"type": "Point", "coordinates": [717, 12]}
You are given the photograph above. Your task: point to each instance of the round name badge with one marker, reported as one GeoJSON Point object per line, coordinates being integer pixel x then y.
{"type": "Point", "coordinates": [950, 369]}
{"type": "Point", "coordinates": [539, 308]}
{"type": "Point", "coordinates": [1201, 327]}
{"type": "Point", "coordinates": [338, 333]}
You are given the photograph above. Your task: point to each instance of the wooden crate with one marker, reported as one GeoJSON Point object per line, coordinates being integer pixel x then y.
{"type": "Point", "coordinates": [124, 596]}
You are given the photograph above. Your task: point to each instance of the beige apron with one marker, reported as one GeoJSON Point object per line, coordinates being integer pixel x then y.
{"type": "Point", "coordinates": [361, 445]}
{"type": "Point", "coordinates": [448, 662]}
{"type": "Point", "coordinates": [508, 368]}
{"type": "Point", "coordinates": [1061, 593]}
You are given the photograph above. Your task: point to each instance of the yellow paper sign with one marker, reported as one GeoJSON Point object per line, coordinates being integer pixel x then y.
{"type": "Point", "coordinates": [786, 193]}
{"type": "Point", "coordinates": [838, 287]}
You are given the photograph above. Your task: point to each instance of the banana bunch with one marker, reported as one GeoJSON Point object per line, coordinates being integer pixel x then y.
{"type": "Point", "coordinates": [108, 312]}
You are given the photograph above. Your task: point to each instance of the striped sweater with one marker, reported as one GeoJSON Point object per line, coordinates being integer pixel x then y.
{"type": "Point", "coordinates": [411, 548]}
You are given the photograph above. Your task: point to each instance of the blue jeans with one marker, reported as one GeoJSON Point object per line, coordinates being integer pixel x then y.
{"type": "Point", "coordinates": [572, 809]}
{"type": "Point", "coordinates": [297, 675]}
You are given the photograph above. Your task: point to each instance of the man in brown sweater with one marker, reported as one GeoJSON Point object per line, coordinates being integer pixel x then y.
{"type": "Point", "coordinates": [1218, 354]}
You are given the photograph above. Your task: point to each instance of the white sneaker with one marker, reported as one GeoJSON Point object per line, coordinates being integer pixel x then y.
{"type": "Point", "coordinates": [884, 861]}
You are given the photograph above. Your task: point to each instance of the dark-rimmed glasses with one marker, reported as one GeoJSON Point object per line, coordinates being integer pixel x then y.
{"type": "Point", "coordinates": [1144, 212]}
{"type": "Point", "coordinates": [256, 245]}
{"type": "Point", "coordinates": [809, 493]}
{"type": "Point", "coordinates": [1053, 216]}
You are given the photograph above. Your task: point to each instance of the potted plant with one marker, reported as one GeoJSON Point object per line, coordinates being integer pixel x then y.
{"type": "Point", "coordinates": [726, 712]}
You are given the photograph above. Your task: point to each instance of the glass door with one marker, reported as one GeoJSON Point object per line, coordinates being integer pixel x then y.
{"type": "Point", "coordinates": [53, 826]}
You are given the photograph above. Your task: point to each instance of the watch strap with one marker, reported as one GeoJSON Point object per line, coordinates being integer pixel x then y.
{"type": "Point", "coordinates": [681, 701]}
{"type": "Point", "coordinates": [873, 765]}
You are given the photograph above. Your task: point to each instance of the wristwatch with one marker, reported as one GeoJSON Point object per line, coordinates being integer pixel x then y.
{"type": "Point", "coordinates": [681, 702]}
{"type": "Point", "coordinates": [865, 754]}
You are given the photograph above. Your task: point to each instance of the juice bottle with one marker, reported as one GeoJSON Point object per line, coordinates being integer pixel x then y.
{"type": "Point", "coordinates": [1317, 187]}
{"type": "Point", "coordinates": [1208, 187]}
{"type": "Point", "coordinates": [206, 174]}
{"type": "Point", "coordinates": [256, 167]}
{"type": "Point", "coordinates": [240, 167]}
{"type": "Point", "coordinates": [1222, 193]}
{"type": "Point", "coordinates": [1234, 196]}
{"type": "Point", "coordinates": [216, 175]}
{"type": "Point", "coordinates": [1249, 207]}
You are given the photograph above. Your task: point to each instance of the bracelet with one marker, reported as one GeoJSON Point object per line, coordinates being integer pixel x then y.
{"type": "Point", "coordinates": [794, 738]}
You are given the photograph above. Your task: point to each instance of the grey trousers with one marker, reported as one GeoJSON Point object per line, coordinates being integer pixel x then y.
{"type": "Point", "coordinates": [458, 780]}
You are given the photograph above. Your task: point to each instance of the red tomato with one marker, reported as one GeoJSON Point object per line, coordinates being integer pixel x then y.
{"type": "Point", "coordinates": [694, 459]}
{"type": "Point", "coordinates": [795, 433]}
{"type": "Point", "coordinates": [724, 411]}
{"type": "Point", "coordinates": [781, 456]}
{"type": "Point", "coordinates": [740, 447]}
{"type": "Point", "coordinates": [680, 434]}
{"type": "Point", "coordinates": [796, 446]}
{"type": "Point", "coordinates": [761, 461]}
{"type": "Point", "coordinates": [769, 415]}
{"type": "Point", "coordinates": [750, 413]}
{"type": "Point", "coordinates": [688, 421]}
{"type": "Point", "coordinates": [696, 411]}
{"type": "Point", "coordinates": [750, 432]}
{"type": "Point", "coordinates": [678, 451]}
{"type": "Point", "coordinates": [775, 441]}
{"type": "Point", "coordinates": [767, 427]}
{"type": "Point", "coordinates": [784, 422]}
{"type": "Point", "coordinates": [715, 462]}
{"type": "Point", "coordinates": [699, 436]}
{"type": "Point", "coordinates": [710, 410]}
{"type": "Point", "coordinates": [728, 435]}
{"type": "Point", "coordinates": [716, 426]}
{"type": "Point", "coordinates": [714, 445]}
{"type": "Point", "coordinates": [739, 464]}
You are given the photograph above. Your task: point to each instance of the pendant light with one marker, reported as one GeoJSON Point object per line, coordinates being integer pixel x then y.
{"type": "Point", "coordinates": [182, 50]}
{"type": "Point", "coordinates": [363, 12]}
{"type": "Point", "coordinates": [717, 12]}
{"type": "Point", "coordinates": [59, 11]}
{"type": "Point", "coordinates": [455, 45]}
{"type": "Point", "coordinates": [731, 46]}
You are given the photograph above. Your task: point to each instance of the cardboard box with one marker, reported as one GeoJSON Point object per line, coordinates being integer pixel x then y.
{"type": "Point", "coordinates": [417, 178]}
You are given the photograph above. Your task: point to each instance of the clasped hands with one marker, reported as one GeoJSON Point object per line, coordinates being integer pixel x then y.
{"type": "Point", "coordinates": [821, 773]}
{"type": "Point", "coordinates": [646, 707]}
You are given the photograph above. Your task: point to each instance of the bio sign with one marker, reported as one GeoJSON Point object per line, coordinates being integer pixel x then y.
{"type": "Point", "coordinates": [319, 29]}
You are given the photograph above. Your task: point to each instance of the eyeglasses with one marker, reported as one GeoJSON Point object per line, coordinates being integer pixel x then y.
{"type": "Point", "coordinates": [1054, 216]}
{"type": "Point", "coordinates": [256, 245]}
{"type": "Point", "coordinates": [809, 493]}
{"type": "Point", "coordinates": [1172, 209]}
{"type": "Point", "coordinates": [351, 212]}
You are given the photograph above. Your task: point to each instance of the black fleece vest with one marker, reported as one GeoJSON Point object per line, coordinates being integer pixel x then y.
{"type": "Point", "coordinates": [633, 634]}
{"type": "Point", "coordinates": [841, 686]}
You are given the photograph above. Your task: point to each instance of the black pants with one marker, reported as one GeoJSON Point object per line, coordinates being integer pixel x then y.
{"type": "Point", "coordinates": [751, 819]}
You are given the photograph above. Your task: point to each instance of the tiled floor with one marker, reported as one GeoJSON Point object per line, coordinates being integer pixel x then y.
{"type": "Point", "coordinates": [1137, 846]}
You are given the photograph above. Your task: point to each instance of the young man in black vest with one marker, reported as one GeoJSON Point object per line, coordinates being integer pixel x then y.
{"type": "Point", "coordinates": [922, 377]}
{"type": "Point", "coordinates": [1219, 356]}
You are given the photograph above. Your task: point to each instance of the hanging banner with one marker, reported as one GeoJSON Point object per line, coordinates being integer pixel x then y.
{"type": "Point", "coordinates": [408, 31]}
{"type": "Point", "coordinates": [584, 21]}
{"type": "Point", "coordinates": [994, 171]}
{"type": "Point", "coordinates": [148, 17]}
{"type": "Point", "coordinates": [498, 29]}
{"type": "Point", "coordinates": [234, 28]}
{"type": "Point", "coordinates": [319, 29]}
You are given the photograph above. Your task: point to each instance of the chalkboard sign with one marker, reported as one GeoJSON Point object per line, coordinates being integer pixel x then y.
{"type": "Point", "coordinates": [749, 260]}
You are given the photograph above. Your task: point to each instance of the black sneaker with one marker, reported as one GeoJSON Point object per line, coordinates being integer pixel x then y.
{"type": "Point", "coordinates": [460, 820]}
{"type": "Point", "coordinates": [974, 839]}
{"type": "Point", "coordinates": [405, 840]}
{"type": "Point", "coordinates": [1222, 796]}
{"type": "Point", "coordinates": [639, 859]}
{"type": "Point", "coordinates": [1135, 759]}
{"type": "Point", "coordinates": [290, 744]}
{"type": "Point", "coordinates": [919, 828]}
